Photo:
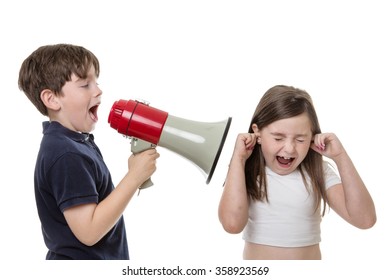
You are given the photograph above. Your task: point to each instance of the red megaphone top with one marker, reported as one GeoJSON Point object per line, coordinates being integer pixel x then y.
{"type": "Point", "coordinates": [138, 120]}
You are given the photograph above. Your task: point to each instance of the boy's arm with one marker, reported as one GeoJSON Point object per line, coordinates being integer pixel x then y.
{"type": "Point", "coordinates": [90, 222]}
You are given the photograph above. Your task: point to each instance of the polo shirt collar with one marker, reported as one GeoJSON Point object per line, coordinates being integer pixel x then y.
{"type": "Point", "coordinates": [54, 127]}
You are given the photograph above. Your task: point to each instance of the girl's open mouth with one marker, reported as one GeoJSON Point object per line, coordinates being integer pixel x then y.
{"type": "Point", "coordinates": [285, 161]}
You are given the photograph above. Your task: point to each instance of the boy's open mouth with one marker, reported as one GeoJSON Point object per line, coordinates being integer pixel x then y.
{"type": "Point", "coordinates": [285, 160]}
{"type": "Point", "coordinates": [93, 113]}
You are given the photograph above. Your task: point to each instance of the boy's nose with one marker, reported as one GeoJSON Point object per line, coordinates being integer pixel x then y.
{"type": "Point", "coordinates": [99, 92]}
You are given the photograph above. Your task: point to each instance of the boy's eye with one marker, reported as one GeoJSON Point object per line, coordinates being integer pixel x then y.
{"type": "Point", "coordinates": [86, 85]}
{"type": "Point", "coordinates": [300, 140]}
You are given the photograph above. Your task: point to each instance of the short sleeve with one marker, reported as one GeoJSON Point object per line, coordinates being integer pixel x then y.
{"type": "Point", "coordinates": [72, 179]}
{"type": "Point", "coordinates": [331, 177]}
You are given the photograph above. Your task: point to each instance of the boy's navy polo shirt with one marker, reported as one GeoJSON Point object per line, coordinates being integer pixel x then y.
{"type": "Point", "coordinates": [70, 171]}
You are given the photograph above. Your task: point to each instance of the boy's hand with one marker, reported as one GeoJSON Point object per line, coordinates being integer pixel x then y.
{"type": "Point", "coordinates": [143, 164]}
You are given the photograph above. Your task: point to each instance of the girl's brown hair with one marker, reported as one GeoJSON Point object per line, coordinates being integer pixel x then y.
{"type": "Point", "coordinates": [281, 102]}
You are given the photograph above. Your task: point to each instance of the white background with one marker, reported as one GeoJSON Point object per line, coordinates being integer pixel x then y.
{"type": "Point", "coordinates": [203, 61]}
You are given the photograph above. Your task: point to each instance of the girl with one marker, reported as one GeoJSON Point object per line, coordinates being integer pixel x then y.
{"type": "Point", "coordinates": [277, 180]}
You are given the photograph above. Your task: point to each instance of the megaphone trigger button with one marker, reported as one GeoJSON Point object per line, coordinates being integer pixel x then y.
{"type": "Point", "coordinates": [142, 101]}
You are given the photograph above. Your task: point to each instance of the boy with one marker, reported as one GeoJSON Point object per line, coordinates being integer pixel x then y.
{"type": "Point", "coordinates": [78, 206]}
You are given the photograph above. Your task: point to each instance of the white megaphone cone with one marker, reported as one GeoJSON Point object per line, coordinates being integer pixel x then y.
{"type": "Point", "coordinates": [199, 142]}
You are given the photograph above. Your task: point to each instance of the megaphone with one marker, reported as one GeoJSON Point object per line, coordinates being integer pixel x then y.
{"type": "Point", "coordinates": [199, 142]}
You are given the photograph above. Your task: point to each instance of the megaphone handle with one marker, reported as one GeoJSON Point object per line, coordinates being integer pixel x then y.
{"type": "Point", "coordinates": [137, 146]}
{"type": "Point", "coordinates": [148, 183]}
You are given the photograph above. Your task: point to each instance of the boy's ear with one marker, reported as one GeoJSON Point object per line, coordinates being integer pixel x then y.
{"type": "Point", "coordinates": [49, 98]}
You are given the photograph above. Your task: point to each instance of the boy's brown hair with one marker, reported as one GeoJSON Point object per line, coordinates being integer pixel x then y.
{"type": "Point", "coordinates": [50, 67]}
